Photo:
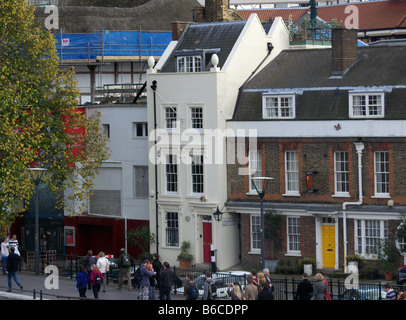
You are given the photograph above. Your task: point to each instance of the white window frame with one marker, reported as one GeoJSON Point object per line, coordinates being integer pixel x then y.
{"type": "Point", "coordinates": [172, 222]}
{"type": "Point", "coordinates": [170, 116]}
{"type": "Point", "coordinates": [189, 64]}
{"type": "Point", "coordinates": [255, 170]}
{"type": "Point", "coordinates": [198, 175]}
{"type": "Point", "coordinates": [171, 174]}
{"type": "Point", "coordinates": [193, 119]}
{"type": "Point", "coordinates": [339, 172]}
{"type": "Point", "coordinates": [379, 174]}
{"type": "Point", "coordinates": [368, 105]}
{"type": "Point", "coordinates": [266, 107]}
{"type": "Point", "coordinates": [144, 129]}
{"type": "Point", "coordinates": [293, 235]}
{"type": "Point", "coordinates": [290, 172]}
{"type": "Point", "coordinates": [367, 234]}
{"type": "Point", "coordinates": [255, 233]}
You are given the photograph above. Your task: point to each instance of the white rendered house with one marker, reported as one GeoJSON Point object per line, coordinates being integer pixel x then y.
{"type": "Point", "coordinates": [197, 82]}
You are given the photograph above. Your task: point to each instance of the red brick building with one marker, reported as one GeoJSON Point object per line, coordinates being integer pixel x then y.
{"type": "Point", "coordinates": [330, 132]}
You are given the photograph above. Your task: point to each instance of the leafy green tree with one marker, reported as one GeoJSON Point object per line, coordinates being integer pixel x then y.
{"type": "Point", "coordinates": [40, 124]}
{"type": "Point", "coordinates": [141, 237]}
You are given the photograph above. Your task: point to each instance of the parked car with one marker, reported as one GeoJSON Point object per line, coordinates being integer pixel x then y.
{"type": "Point", "coordinates": [401, 280]}
{"type": "Point", "coordinates": [365, 293]}
{"type": "Point", "coordinates": [222, 281]}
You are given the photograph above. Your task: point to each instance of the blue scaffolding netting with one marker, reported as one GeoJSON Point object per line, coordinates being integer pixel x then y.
{"type": "Point", "coordinates": [78, 46]}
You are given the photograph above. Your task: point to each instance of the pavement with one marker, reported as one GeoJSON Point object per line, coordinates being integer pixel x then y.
{"type": "Point", "coordinates": [62, 288]}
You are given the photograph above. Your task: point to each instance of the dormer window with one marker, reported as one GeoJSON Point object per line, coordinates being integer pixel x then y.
{"type": "Point", "coordinates": [278, 106]}
{"type": "Point", "coordinates": [366, 105]}
{"type": "Point", "coordinates": [189, 64]}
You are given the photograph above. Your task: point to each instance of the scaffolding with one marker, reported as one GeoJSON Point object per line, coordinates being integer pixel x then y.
{"type": "Point", "coordinates": [111, 46]}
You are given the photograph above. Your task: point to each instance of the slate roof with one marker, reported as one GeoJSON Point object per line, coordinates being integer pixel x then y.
{"type": "Point", "coordinates": [220, 36]}
{"type": "Point", "coordinates": [320, 97]}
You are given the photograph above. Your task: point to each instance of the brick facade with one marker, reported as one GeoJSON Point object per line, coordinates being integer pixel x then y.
{"type": "Point", "coordinates": [316, 155]}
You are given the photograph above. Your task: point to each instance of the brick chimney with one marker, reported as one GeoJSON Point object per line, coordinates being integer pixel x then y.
{"type": "Point", "coordinates": [177, 29]}
{"type": "Point", "coordinates": [217, 10]}
{"type": "Point", "coordinates": [344, 43]}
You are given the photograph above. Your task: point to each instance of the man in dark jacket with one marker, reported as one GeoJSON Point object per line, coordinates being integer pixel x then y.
{"type": "Point", "coordinates": [167, 278]}
{"type": "Point", "coordinates": [157, 265]}
{"type": "Point", "coordinates": [12, 268]}
{"type": "Point", "coordinates": [304, 288]}
{"type": "Point", "coordinates": [125, 262]}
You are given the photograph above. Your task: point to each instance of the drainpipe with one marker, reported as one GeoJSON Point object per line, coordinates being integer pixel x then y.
{"type": "Point", "coordinates": [359, 147]}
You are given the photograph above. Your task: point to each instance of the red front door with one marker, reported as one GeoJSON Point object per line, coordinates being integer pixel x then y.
{"type": "Point", "coordinates": [207, 240]}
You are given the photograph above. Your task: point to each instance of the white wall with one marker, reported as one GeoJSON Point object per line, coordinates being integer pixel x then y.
{"type": "Point", "coordinates": [126, 152]}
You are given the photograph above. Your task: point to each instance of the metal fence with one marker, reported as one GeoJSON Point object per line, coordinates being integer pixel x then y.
{"type": "Point", "coordinates": [284, 288]}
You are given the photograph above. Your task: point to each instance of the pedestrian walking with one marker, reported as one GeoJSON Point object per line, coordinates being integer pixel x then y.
{"type": "Point", "coordinates": [304, 289]}
{"type": "Point", "coordinates": [152, 282]}
{"type": "Point", "coordinates": [12, 268]}
{"type": "Point", "coordinates": [145, 280]}
{"type": "Point", "coordinates": [267, 275]}
{"type": "Point", "coordinates": [265, 292]}
{"type": "Point", "coordinates": [4, 254]}
{"type": "Point", "coordinates": [167, 279]}
{"type": "Point", "coordinates": [125, 262]}
{"type": "Point", "coordinates": [251, 290]}
{"type": "Point", "coordinates": [320, 289]}
{"type": "Point", "coordinates": [89, 260]}
{"type": "Point", "coordinates": [390, 293]}
{"type": "Point", "coordinates": [234, 291]}
{"type": "Point", "coordinates": [191, 290]}
{"type": "Point", "coordinates": [208, 288]}
{"type": "Point", "coordinates": [96, 280]}
{"type": "Point", "coordinates": [261, 279]}
{"type": "Point", "coordinates": [104, 266]}
{"type": "Point", "coordinates": [82, 280]}
{"type": "Point", "coordinates": [255, 278]}
{"type": "Point", "coordinates": [157, 265]}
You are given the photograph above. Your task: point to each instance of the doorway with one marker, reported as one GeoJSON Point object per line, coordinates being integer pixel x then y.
{"type": "Point", "coordinates": [207, 240]}
{"type": "Point", "coordinates": [328, 231]}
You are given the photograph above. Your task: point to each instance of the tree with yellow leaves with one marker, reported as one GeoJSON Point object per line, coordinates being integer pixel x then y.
{"type": "Point", "coordinates": [40, 124]}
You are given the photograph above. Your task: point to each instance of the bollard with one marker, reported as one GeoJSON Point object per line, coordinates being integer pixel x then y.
{"type": "Point", "coordinates": [34, 296]}
{"type": "Point", "coordinates": [213, 259]}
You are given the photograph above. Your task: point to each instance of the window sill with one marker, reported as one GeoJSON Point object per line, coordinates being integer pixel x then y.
{"type": "Point", "coordinates": [291, 195]}
{"type": "Point", "coordinates": [293, 254]}
{"type": "Point", "coordinates": [383, 196]}
{"type": "Point", "coordinates": [254, 252]}
{"type": "Point", "coordinates": [341, 195]}
{"type": "Point", "coordinates": [252, 193]}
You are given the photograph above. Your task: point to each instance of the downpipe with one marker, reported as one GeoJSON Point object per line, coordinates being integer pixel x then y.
{"type": "Point", "coordinates": [359, 147]}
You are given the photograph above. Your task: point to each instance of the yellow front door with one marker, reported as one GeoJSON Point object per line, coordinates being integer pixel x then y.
{"type": "Point", "coordinates": [328, 238]}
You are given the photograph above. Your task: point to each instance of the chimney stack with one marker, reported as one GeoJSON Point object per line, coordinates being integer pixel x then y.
{"type": "Point", "coordinates": [344, 43]}
{"type": "Point", "coordinates": [177, 29]}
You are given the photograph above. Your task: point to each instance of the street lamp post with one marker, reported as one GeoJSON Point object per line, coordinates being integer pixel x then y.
{"type": "Point", "coordinates": [36, 176]}
{"type": "Point", "coordinates": [261, 193]}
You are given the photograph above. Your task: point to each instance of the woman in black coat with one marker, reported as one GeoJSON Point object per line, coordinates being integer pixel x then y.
{"type": "Point", "coordinates": [265, 292]}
